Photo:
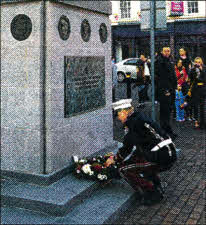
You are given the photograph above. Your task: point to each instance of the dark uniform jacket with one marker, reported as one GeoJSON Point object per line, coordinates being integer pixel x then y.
{"type": "Point", "coordinates": [140, 136]}
{"type": "Point", "coordinates": [165, 77]}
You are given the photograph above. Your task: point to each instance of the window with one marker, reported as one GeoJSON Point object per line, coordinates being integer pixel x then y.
{"type": "Point", "coordinates": [125, 7]}
{"type": "Point", "coordinates": [193, 7]}
{"type": "Point", "coordinates": [131, 62]}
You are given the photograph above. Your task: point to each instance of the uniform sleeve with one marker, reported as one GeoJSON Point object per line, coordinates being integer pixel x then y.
{"type": "Point", "coordinates": [126, 149]}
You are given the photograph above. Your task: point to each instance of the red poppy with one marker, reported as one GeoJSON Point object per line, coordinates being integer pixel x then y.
{"type": "Point", "coordinates": [97, 167]}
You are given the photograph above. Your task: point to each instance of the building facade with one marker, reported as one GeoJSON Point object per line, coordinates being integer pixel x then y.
{"type": "Point", "coordinates": [186, 27]}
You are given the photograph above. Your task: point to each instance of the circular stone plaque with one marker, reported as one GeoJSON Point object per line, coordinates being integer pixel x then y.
{"type": "Point", "coordinates": [85, 30]}
{"type": "Point", "coordinates": [64, 28]}
{"type": "Point", "coordinates": [21, 27]}
{"type": "Point", "coordinates": [103, 32]}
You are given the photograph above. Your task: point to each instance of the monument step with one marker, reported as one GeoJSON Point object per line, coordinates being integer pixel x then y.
{"type": "Point", "coordinates": [56, 199]}
{"type": "Point", "coordinates": [103, 207]}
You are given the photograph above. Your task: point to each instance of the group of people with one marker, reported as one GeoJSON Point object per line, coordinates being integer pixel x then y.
{"type": "Point", "coordinates": [181, 88]}
{"type": "Point", "coordinates": [191, 91]}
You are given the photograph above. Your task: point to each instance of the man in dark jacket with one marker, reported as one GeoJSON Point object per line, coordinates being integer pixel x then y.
{"type": "Point", "coordinates": [165, 84]}
{"type": "Point", "coordinates": [145, 65]}
{"type": "Point", "coordinates": [138, 160]}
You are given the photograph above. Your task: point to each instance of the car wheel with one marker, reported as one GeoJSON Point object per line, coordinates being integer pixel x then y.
{"type": "Point", "coordinates": [120, 77]}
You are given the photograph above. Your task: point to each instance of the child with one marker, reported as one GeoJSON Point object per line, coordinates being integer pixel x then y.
{"type": "Point", "coordinates": [179, 100]}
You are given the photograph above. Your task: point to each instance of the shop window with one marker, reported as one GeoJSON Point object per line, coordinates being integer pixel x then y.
{"type": "Point", "coordinates": [125, 8]}
{"type": "Point", "coordinates": [193, 7]}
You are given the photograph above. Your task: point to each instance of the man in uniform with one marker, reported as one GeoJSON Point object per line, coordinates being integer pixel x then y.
{"type": "Point", "coordinates": [139, 160]}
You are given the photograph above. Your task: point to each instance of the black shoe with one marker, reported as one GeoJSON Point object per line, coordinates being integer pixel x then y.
{"type": "Point", "coordinates": [152, 197]}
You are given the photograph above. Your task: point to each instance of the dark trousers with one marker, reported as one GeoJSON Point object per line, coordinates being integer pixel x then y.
{"type": "Point", "coordinates": [140, 175]}
{"type": "Point", "coordinates": [200, 111]}
{"type": "Point", "coordinates": [166, 104]}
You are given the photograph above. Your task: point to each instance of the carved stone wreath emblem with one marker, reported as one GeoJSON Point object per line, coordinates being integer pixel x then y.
{"type": "Point", "coordinates": [85, 30]}
{"type": "Point", "coordinates": [64, 28]}
{"type": "Point", "coordinates": [103, 32]}
{"type": "Point", "coordinates": [21, 27]}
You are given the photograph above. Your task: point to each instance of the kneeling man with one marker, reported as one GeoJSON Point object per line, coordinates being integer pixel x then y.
{"type": "Point", "coordinates": [147, 150]}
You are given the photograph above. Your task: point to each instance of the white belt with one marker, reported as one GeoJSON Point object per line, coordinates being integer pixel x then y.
{"type": "Point", "coordinates": [161, 144]}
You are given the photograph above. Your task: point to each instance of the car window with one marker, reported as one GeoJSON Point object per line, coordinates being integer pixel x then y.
{"type": "Point", "coordinates": [131, 62]}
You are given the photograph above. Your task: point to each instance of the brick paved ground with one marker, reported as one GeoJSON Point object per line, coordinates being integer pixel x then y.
{"type": "Point", "coordinates": [184, 201]}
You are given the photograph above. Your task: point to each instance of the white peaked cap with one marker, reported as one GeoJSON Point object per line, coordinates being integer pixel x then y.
{"type": "Point", "coordinates": [122, 104]}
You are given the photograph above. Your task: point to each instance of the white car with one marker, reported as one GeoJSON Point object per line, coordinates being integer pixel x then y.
{"type": "Point", "coordinates": [127, 65]}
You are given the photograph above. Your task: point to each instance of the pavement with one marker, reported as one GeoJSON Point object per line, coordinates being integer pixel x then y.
{"type": "Point", "coordinates": [184, 201]}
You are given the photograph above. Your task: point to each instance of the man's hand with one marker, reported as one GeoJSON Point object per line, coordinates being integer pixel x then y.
{"type": "Point", "coordinates": [110, 161]}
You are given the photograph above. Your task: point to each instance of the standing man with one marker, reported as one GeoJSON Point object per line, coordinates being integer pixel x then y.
{"type": "Point", "coordinates": [143, 76]}
{"type": "Point", "coordinates": [166, 84]}
{"type": "Point", "coordinates": [147, 75]}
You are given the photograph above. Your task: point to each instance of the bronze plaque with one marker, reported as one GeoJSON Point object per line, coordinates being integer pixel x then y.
{"type": "Point", "coordinates": [21, 27]}
{"type": "Point", "coordinates": [84, 84]}
{"type": "Point", "coordinates": [64, 28]}
{"type": "Point", "coordinates": [103, 32]}
{"type": "Point", "coordinates": [85, 30]}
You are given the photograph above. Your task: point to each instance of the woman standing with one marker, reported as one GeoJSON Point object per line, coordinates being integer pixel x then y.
{"type": "Point", "coordinates": [186, 62]}
{"type": "Point", "coordinates": [198, 82]}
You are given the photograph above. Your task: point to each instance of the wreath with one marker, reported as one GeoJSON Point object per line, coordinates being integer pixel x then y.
{"type": "Point", "coordinates": [96, 168]}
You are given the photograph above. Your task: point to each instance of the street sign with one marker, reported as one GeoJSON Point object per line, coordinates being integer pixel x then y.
{"type": "Point", "coordinates": [160, 15]}
{"type": "Point", "coordinates": [177, 8]}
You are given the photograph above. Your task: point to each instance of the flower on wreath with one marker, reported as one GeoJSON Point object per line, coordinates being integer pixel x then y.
{"type": "Point", "coordinates": [102, 177]}
{"type": "Point", "coordinates": [87, 169]}
{"type": "Point", "coordinates": [97, 167]}
{"type": "Point", "coordinates": [82, 161]}
{"type": "Point", "coordinates": [78, 169]}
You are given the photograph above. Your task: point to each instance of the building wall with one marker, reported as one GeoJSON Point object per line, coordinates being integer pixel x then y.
{"type": "Point", "coordinates": [174, 37]}
{"type": "Point", "coordinates": [135, 10]}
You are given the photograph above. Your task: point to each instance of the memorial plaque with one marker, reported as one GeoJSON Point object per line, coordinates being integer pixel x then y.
{"type": "Point", "coordinates": [85, 30]}
{"type": "Point", "coordinates": [84, 84]}
{"type": "Point", "coordinates": [21, 27]}
{"type": "Point", "coordinates": [103, 32]}
{"type": "Point", "coordinates": [64, 28]}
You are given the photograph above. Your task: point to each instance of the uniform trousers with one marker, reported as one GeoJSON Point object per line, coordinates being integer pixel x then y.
{"type": "Point", "coordinates": [141, 175]}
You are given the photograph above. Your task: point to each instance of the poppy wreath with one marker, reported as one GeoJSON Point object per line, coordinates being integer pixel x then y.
{"type": "Point", "coordinates": [95, 168]}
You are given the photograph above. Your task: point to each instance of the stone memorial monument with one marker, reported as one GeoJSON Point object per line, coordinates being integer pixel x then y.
{"type": "Point", "coordinates": [56, 87]}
